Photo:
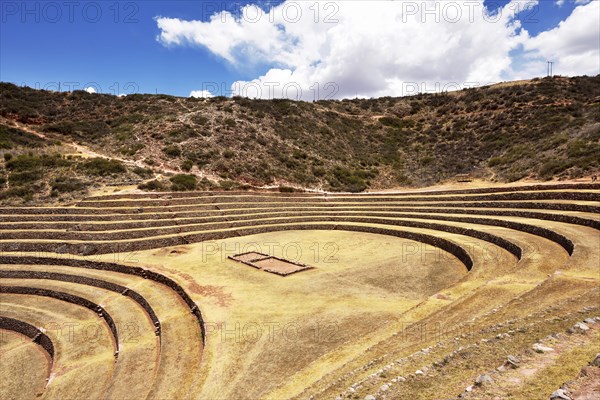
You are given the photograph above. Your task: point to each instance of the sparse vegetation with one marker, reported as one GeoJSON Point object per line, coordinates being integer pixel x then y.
{"type": "Point", "coordinates": [172, 151]}
{"type": "Point", "coordinates": [183, 182]}
{"type": "Point", "coordinates": [152, 186]}
{"type": "Point", "coordinates": [504, 132]}
{"type": "Point", "coordinates": [102, 167]}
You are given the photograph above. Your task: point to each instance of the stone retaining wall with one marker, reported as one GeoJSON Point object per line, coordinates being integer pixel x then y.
{"type": "Point", "coordinates": [160, 220]}
{"type": "Point", "coordinates": [180, 230]}
{"type": "Point", "coordinates": [37, 336]}
{"type": "Point", "coordinates": [69, 298]}
{"type": "Point", "coordinates": [164, 213]}
{"type": "Point", "coordinates": [151, 195]}
{"type": "Point", "coordinates": [83, 280]}
{"type": "Point", "coordinates": [105, 266]}
{"type": "Point", "coordinates": [151, 204]}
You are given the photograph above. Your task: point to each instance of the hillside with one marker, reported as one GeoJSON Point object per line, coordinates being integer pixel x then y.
{"type": "Point", "coordinates": [542, 129]}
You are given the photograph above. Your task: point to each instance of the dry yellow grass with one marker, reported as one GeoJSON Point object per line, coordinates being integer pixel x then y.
{"type": "Point", "coordinates": [319, 331]}
{"type": "Point", "coordinates": [24, 366]}
{"type": "Point", "coordinates": [264, 329]}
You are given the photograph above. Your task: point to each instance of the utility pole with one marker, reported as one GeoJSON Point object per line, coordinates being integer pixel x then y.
{"type": "Point", "coordinates": [550, 68]}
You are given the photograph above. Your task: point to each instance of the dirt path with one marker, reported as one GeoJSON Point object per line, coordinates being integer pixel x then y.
{"type": "Point", "coordinates": [88, 153]}
{"type": "Point", "coordinates": [78, 148]}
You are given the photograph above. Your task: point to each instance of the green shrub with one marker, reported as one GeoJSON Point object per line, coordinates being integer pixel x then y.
{"type": "Point", "coordinates": [299, 154]}
{"type": "Point", "coordinates": [397, 123]}
{"type": "Point", "coordinates": [23, 192]}
{"type": "Point", "coordinates": [143, 172]}
{"type": "Point", "coordinates": [228, 185]}
{"type": "Point", "coordinates": [199, 120]}
{"type": "Point", "coordinates": [172, 150]}
{"type": "Point", "coordinates": [347, 180]}
{"type": "Point", "coordinates": [26, 162]}
{"type": "Point", "coordinates": [319, 171]}
{"type": "Point", "coordinates": [153, 185]}
{"type": "Point", "coordinates": [183, 133]}
{"type": "Point", "coordinates": [187, 165]}
{"type": "Point", "coordinates": [494, 161]}
{"type": "Point", "coordinates": [579, 148]}
{"type": "Point", "coordinates": [13, 137]}
{"type": "Point", "coordinates": [24, 178]}
{"type": "Point", "coordinates": [131, 149]}
{"type": "Point", "coordinates": [102, 167]}
{"type": "Point", "coordinates": [82, 129]}
{"type": "Point", "coordinates": [553, 167]}
{"type": "Point", "coordinates": [126, 119]}
{"type": "Point", "coordinates": [183, 182]}
{"type": "Point", "coordinates": [206, 184]}
{"type": "Point", "coordinates": [67, 185]}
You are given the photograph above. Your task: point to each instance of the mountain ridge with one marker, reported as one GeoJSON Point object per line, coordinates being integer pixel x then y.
{"type": "Point", "coordinates": [541, 129]}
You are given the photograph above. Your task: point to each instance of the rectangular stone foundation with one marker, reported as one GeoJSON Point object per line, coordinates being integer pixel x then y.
{"type": "Point", "coordinates": [274, 265]}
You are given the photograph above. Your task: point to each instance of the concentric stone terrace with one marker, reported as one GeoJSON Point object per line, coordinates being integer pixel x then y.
{"type": "Point", "coordinates": [77, 324]}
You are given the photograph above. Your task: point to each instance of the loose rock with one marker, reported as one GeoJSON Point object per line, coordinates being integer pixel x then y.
{"type": "Point", "coordinates": [539, 348]}
{"type": "Point", "coordinates": [581, 326]}
{"type": "Point", "coordinates": [560, 394]}
{"type": "Point", "coordinates": [513, 361]}
{"type": "Point", "coordinates": [483, 379]}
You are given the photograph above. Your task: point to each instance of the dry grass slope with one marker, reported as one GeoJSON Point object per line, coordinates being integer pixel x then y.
{"type": "Point", "coordinates": [446, 282]}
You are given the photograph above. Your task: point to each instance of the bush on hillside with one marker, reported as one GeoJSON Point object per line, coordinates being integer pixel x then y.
{"type": "Point", "coordinates": [172, 150]}
{"type": "Point", "coordinates": [63, 184]}
{"type": "Point", "coordinates": [184, 182]}
{"type": "Point", "coordinates": [152, 186]}
{"type": "Point", "coordinates": [102, 167]}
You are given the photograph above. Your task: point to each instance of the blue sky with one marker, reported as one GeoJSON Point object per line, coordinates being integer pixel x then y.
{"type": "Point", "coordinates": [107, 52]}
{"type": "Point", "coordinates": [42, 43]}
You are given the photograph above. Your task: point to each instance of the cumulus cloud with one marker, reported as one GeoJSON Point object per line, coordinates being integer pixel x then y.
{"type": "Point", "coordinates": [90, 89]}
{"type": "Point", "coordinates": [573, 46]}
{"type": "Point", "coordinates": [561, 2]}
{"type": "Point", "coordinates": [315, 50]}
{"type": "Point", "coordinates": [202, 94]}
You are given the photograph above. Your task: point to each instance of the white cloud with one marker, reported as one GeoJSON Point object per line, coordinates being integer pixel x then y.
{"type": "Point", "coordinates": [383, 48]}
{"type": "Point", "coordinates": [90, 89]}
{"type": "Point", "coordinates": [561, 2]}
{"type": "Point", "coordinates": [203, 94]}
{"type": "Point", "coordinates": [573, 46]}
